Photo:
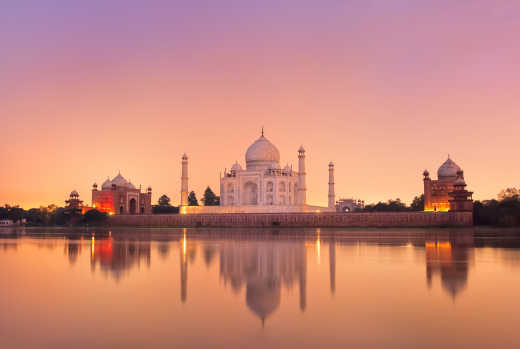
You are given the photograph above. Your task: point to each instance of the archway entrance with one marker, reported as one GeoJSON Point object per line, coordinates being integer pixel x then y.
{"type": "Point", "coordinates": [250, 194]}
{"type": "Point", "coordinates": [133, 206]}
{"type": "Point", "coordinates": [121, 210]}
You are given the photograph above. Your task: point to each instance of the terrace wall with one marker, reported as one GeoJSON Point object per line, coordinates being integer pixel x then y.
{"type": "Point", "coordinates": [324, 219]}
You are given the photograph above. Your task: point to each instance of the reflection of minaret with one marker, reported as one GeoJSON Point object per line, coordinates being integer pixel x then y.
{"type": "Point", "coordinates": [303, 284]}
{"type": "Point", "coordinates": [184, 269]}
{"type": "Point", "coordinates": [332, 265]}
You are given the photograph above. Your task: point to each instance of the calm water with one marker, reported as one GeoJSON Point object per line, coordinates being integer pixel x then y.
{"type": "Point", "coordinates": [175, 288]}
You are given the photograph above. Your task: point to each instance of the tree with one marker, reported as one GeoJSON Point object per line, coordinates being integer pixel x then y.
{"type": "Point", "coordinates": [508, 193]}
{"type": "Point", "coordinates": [94, 217]}
{"type": "Point", "coordinates": [192, 199]}
{"type": "Point", "coordinates": [164, 200]}
{"type": "Point", "coordinates": [417, 203]}
{"type": "Point", "coordinates": [209, 198]}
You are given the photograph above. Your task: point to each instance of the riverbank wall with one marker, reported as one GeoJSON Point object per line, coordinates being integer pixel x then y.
{"type": "Point", "coordinates": [323, 220]}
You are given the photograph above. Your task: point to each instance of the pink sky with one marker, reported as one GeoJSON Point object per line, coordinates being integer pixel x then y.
{"type": "Point", "coordinates": [383, 89]}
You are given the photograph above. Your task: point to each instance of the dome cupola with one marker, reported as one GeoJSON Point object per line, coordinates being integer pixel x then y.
{"type": "Point", "coordinates": [120, 181]}
{"type": "Point", "coordinates": [261, 154]}
{"type": "Point", "coordinates": [448, 170]}
{"type": "Point", "coordinates": [106, 184]}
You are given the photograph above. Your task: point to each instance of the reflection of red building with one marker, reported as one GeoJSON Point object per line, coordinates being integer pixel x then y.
{"type": "Point", "coordinates": [119, 196]}
{"type": "Point", "coordinates": [450, 260]}
{"type": "Point", "coordinates": [117, 256]}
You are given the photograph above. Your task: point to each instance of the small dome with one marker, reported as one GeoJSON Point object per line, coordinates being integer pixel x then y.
{"type": "Point", "coordinates": [106, 184]}
{"type": "Point", "coordinates": [94, 185]}
{"type": "Point", "coordinates": [274, 166]}
{"type": "Point", "coordinates": [426, 173]}
{"type": "Point", "coordinates": [236, 167]}
{"type": "Point", "coordinates": [184, 156]}
{"type": "Point", "coordinates": [460, 179]}
{"type": "Point", "coordinates": [74, 193]}
{"type": "Point", "coordinates": [261, 154]}
{"type": "Point", "coordinates": [120, 181]}
{"type": "Point", "coordinates": [149, 188]}
{"type": "Point", "coordinates": [331, 164]}
{"type": "Point", "coordinates": [448, 170]}
{"type": "Point", "coordinates": [301, 149]}
{"type": "Point", "coordinates": [287, 168]}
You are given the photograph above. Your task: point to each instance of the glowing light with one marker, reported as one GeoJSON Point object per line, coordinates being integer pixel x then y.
{"type": "Point", "coordinates": [92, 246]}
{"type": "Point", "coordinates": [184, 245]}
{"type": "Point", "coordinates": [110, 213]}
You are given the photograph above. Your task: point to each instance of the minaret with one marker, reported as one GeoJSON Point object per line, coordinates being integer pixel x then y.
{"type": "Point", "coordinates": [427, 191]}
{"type": "Point", "coordinates": [332, 196]}
{"type": "Point", "coordinates": [302, 188]}
{"type": "Point", "coordinates": [184, 181]}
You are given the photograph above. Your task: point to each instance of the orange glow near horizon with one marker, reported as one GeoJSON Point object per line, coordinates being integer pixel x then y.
{"type": "Point", "coordinates": [355, 86]}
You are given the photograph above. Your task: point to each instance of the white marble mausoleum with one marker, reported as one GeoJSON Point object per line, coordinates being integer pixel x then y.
{"type": "Point", "coordinates": [262, 186]}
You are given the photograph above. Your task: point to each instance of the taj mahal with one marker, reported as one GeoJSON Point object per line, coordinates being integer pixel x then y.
{"type": "Point", "coordinates": [262, 186]}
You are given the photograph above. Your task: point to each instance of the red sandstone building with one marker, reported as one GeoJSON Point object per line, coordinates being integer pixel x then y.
{"type": "Point", "coordinates": [447, 193]}
{"type": "Point", "coordinates": [119, 196]}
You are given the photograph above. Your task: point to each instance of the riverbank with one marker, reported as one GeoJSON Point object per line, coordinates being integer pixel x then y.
{"type": "Point", "coordinates": [317, 220]}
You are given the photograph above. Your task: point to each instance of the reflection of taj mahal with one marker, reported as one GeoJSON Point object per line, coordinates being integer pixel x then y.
{"type": "Point", "coordinates": [263, 186]}
{"type": "Point", "coordinates": [264, 268]}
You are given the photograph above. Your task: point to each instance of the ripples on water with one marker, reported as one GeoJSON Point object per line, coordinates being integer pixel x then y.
{"type": "Point", "coordinates": [259, 288]}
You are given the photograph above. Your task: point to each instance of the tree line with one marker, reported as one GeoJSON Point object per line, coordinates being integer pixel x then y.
{"type": "Point", "coordinates": [505, 211]}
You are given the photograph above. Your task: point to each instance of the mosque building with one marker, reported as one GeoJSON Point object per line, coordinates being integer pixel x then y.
{"type": "Point", "coordinates": [447, 192]}
{"type": "Point", "coordinates": [119, 196]}
{"type": "Point", "coordinates": [262, 186]}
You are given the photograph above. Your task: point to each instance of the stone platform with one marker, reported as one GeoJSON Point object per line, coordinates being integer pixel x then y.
{"type": "Point", "coordinates": [323, 219]}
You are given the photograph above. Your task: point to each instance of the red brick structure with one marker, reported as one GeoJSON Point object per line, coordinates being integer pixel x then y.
{"type": "Point", "coordinates": [325, 219]}
{"type": "Point", "coordinates": [119, 196]}
{"type": "Point", "coordinates": [437, 193]}
{"type": "Point", "coordinates": [461, 198]}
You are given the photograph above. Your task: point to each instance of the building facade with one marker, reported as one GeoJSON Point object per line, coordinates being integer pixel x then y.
{"type": "Point", "coordinates": [119, 196]}
{"type": "Point", "coordinates": [262, 186]}
{"type": "Point", "coordinates": [438, 193]}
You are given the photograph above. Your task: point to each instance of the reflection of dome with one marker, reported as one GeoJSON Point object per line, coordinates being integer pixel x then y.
{"type": "Point", "coordinates": [448, 170]}
{"type": "Point", "coordinates": [261, 153]}
{"type": "Point", "coordinates": [263, 297]}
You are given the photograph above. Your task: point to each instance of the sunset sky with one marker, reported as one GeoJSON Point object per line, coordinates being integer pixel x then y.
{"type": "Point", "coordinates": [383, 88]}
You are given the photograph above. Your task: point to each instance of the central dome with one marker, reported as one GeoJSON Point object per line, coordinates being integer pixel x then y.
{"type": "Point", "coordinates": [261, 154]}
{"type": "Point", "coordinates": [448, 170]}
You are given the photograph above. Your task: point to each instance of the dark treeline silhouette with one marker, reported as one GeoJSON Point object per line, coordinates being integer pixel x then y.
{"type": "Point", "coordinates": [52, 215]}
{"type": "Point", "coordinates": [163, 206]}
{"type": "Point", "coordinates": [505, 212]}
{"type": "Point", "coordinates": [395, 206]}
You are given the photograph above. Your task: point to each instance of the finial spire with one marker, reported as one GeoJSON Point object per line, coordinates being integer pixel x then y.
{"type": "Point", "coordinates": [262, 131]}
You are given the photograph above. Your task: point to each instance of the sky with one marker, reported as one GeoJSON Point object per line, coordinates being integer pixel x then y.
{"type": "Point", "coordinates": [384, 89]}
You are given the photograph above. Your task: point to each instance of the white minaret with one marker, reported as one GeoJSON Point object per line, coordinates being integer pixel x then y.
{"type": "Point", "coordinates": [184, 181]}
{"type": "Point", "coordinates": [302, 187]}
{"type": "Point", "coordinates": [332, 196]}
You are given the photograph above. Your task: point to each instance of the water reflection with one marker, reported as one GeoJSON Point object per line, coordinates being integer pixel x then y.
{"type": "Point", "coordinates": [450, 260]}
{"type": "Point", "coordinates": [264, 267]}
{"type": "Point", "coordinates": [117, 257]}
{"type": "Point", "coordinates": [263, 263]}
